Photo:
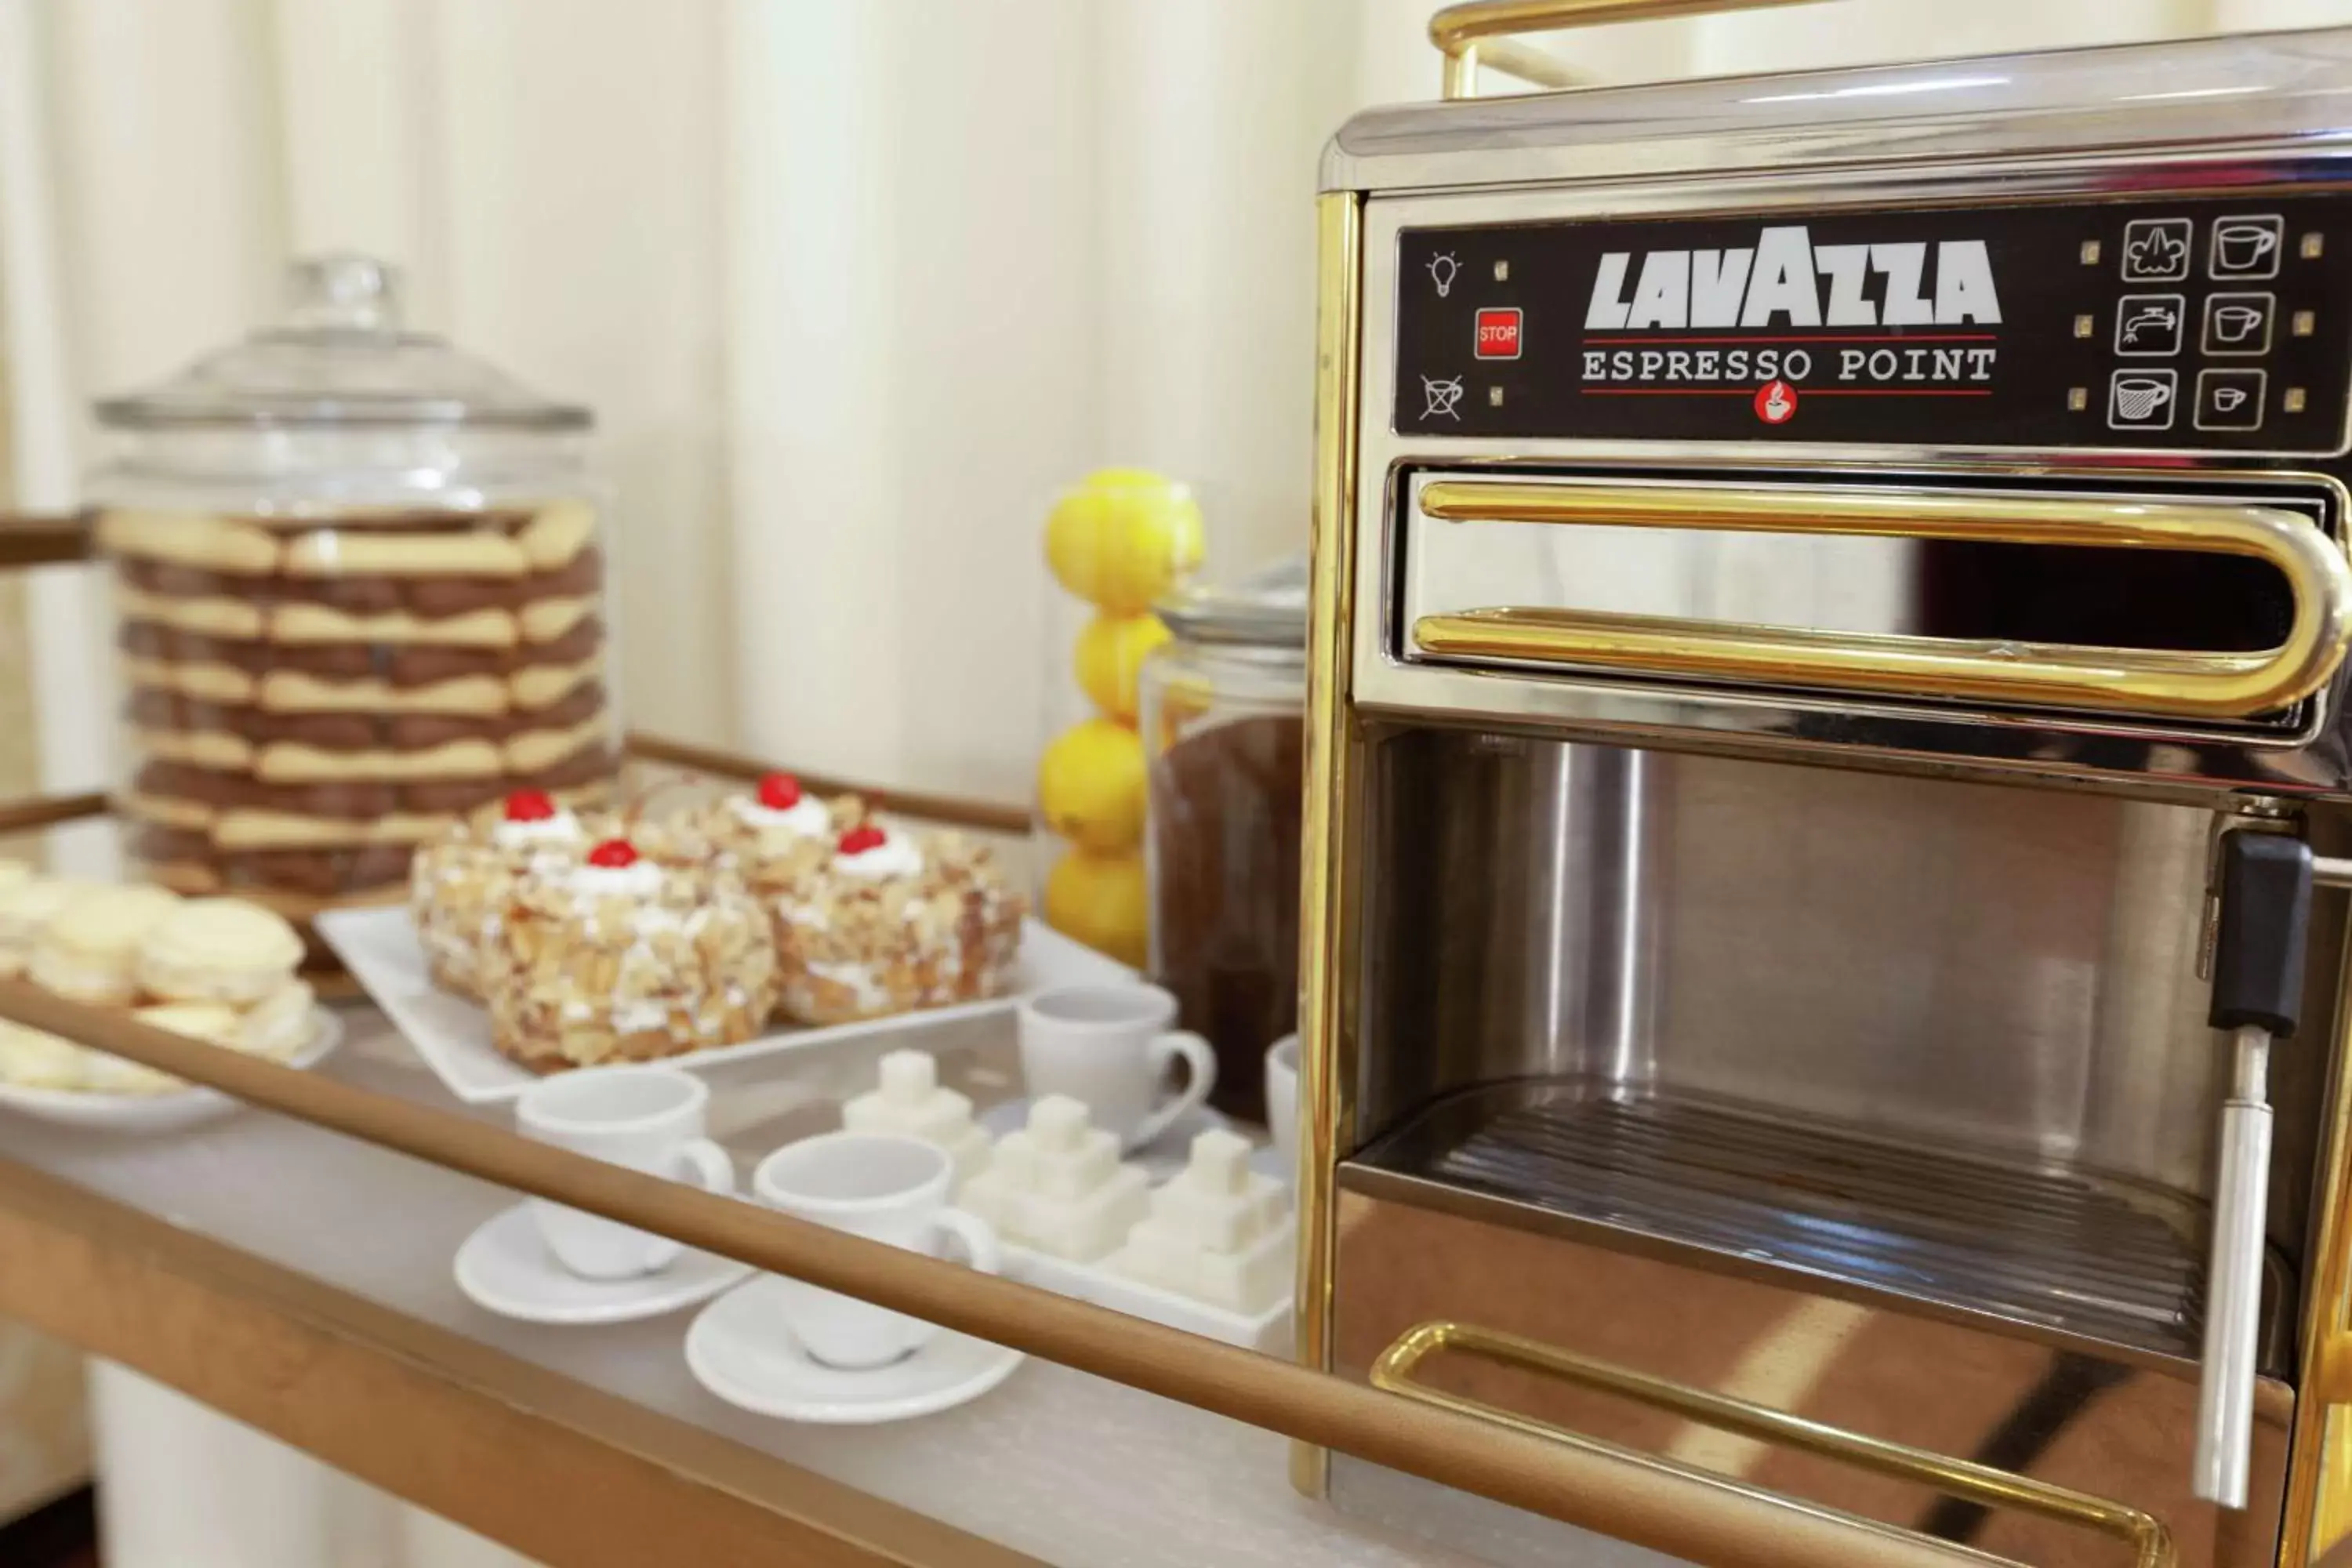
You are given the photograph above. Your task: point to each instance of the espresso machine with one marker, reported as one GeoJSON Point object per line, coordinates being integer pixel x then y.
{"type": "Point", "coordinates": [1829, 783]}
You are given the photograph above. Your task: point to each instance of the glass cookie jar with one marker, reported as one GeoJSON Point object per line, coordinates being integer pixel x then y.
{"type": "Point", "coordinates": [359, 588]}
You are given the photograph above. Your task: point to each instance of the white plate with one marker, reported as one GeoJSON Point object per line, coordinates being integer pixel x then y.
{"type": "Point", "coordinates": [505, 1268]}
{"type": "Point", "coordinates": [453, 1035]}
{"type": "Point", "coordinates": [157, 1113]}
{"type": "Point", "coordinates": [740, 1350]}
{"type": "Point", "coordinates": [1104, 1286]}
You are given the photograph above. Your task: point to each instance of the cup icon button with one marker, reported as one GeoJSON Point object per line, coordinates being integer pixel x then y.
{"type": "Point", "coordinates": [2141, 399]}
{"type": "Point", "coordinates": [2246, 246]}
{"type": "Point", "coordinates": [2238, 323]}
{"type": "Point", "coordinates": [2230, 399]}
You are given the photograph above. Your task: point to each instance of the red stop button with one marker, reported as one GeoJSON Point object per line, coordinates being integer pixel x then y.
{"type": "Point", "coordinates": [1499, 333]}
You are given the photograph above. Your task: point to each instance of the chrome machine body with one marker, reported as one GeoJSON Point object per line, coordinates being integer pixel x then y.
{"type": "Point", "coordinates": [1824, 582]}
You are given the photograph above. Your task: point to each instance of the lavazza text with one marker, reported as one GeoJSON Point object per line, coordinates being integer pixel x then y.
{"type": "Point", "coordinates": [1788, 282]}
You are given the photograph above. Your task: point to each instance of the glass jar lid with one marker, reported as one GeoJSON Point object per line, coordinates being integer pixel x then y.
{"type": "Point", "coordinates": [1267, 608]}
{"type": "Point", "coordinates": [338, 357]}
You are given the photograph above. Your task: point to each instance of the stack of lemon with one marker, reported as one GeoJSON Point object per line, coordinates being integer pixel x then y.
{"type": "Point", "coordinates": [1119, 541]}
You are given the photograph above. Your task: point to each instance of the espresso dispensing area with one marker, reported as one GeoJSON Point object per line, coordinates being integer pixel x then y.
{"type": "Point", "coordinates": [1739, 956]}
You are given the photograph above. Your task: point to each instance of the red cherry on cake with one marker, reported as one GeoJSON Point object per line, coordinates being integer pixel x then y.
{"type": "Point", "coordinates": [780, 792]}
{"type": "Point", "coordinates": [530, 805]}
{"type": "Point", "coordinates": [861, 838]}
{"type": "Point", "coordinates": [614, 854]}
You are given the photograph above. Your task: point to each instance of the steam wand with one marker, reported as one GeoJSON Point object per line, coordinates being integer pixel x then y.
{"type": "Point", "coordinates": [2258, 954]}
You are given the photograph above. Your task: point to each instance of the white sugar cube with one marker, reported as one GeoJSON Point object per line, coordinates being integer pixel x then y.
{"type": "Point", "coordinates": [909, 1076]}
{"type": "Point", "coordinates": [1058, 1124]}
{"type": "Point", "coordinates": [1057, 1186]}
{"type": "Point", "coordinates": [1217, 1203]}
{"type": "Point", "coordinates": [1220, 1161]}
{"type": "Point", "coordinates": [909, 1102]}
{"type": "Point", "coordinates": [1078, 1170]}
{"type": "Point", "coordinates": [1250, 1282]}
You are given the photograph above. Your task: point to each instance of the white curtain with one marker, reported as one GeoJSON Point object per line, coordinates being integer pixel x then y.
{"type": "Point", "coordinates": [852, 288]}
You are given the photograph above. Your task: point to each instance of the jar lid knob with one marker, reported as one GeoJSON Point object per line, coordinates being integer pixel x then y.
{"type": "Point", "coordinates": [344, 291]}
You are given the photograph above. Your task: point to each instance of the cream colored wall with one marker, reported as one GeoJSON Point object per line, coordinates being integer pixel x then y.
{"type": "Point", "coordinates": [44, 1432]}
{"type": "Point", "coordinates": [44, 1427]}
{"type": "Point", "coordinates": [854, 287]}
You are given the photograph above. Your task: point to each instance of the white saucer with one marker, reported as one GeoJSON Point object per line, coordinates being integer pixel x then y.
{"type": "Point", "coordinates": [740, 1350]}
{"type": "Point", "coordinates": [1161, 1158]}
{"type": "Point", "coordinates": [506, 1268]}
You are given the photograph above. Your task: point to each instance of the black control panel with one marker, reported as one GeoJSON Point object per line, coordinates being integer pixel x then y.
{"type": "Point", "coordinates": [2160, 324]}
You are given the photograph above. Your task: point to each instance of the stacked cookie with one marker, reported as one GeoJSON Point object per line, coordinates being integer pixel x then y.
{"type": "Point", "coordinates": [216, 969]}
{"type": "Point", "coordinates": [310, 698]}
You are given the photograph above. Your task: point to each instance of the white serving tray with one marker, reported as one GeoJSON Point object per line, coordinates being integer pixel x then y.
{"type": "Point", "coordinates": [453, 1035]}
{"type": "Point", "coordinates": [165, 1112]}
{"type": "Point", "coordinates": [1105, 1287]}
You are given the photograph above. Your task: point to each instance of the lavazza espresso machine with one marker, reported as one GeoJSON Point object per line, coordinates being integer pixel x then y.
{"type": "Point", "coordinates": [1830, 781]}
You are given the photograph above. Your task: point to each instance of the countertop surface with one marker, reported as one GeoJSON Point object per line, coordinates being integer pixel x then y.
{"type": "Point", "coordinates": [1060, 1464]}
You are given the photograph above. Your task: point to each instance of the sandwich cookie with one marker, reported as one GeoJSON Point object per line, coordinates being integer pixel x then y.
{"type": "Point", "coordinates": [218, 950]}
{"type": "Point", "coordinates": [89, 951]}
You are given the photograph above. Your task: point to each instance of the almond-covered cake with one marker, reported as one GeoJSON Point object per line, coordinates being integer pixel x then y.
{"type": "Point", "coordinates": [458, 885]}
{"type": "Point", "coordinates": [895, 920]}
{"type": "Point", "coordinates": [778, 836]}
{"type": "Point", "coordinates": [625, 957]}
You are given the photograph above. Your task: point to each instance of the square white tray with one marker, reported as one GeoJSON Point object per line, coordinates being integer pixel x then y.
{"type": "Point", "coordinates": [1104, 1286]}
{"type": "Point", "coordinates": [453, 1035]}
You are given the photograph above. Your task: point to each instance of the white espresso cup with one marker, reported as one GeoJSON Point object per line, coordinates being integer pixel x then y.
{"type": "Point", "coordinates": [1282, 1100]}
{"type": "Point", "coordinates": [650, 1119]}
{"type": "Point", "coordinates": [1108, 1047]}
{"type": "Point", "coordinates": [885, 1187]}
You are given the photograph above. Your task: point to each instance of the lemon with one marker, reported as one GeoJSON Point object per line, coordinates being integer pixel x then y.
{"type": "Point", "coordinates": [1101, 901]}
{"type": "Point", "coordinates": [1090, 785]}
{"type": "Point", "coordinates": [1110, 655]}
{"type": "Point", "coordinates": [1124, 537]}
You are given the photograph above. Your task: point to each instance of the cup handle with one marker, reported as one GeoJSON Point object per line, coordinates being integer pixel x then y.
{"type": "Point", "coordinates": [978, 1239]}
{"type": "Point", "coordinates": [1200, 1078]}
{"type": "Point", "coordinates": [708, 1167]}
{"type": "Point", "coordinates": [712, 1170]}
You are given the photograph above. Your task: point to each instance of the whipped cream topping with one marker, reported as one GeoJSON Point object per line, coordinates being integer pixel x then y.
{"type": "Point", "coordinates": [896, 856]}
{"type": "Point", "coordinates": [804, 818]}
{"type": "Point", "coordinates": [639, 880]}
{"type": "Point", "coordinates": [560, 829]}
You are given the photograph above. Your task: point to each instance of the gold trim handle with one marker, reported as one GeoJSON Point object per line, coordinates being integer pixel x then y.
{"type": "Point", "coordinates": [1480, 33]}
{"type": "Point", "coordinates": [45, 539]}
{"type": "Point", "coordinates": [2331, 1373]}
{"type": "Point", "coordinates": [2151, 1542]}
{"type": "Point", "coordinates": [2191, 685]}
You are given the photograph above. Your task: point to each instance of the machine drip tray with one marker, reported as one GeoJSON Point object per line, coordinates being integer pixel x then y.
{"type": "Point", "coordinates": [2069, 1250]}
